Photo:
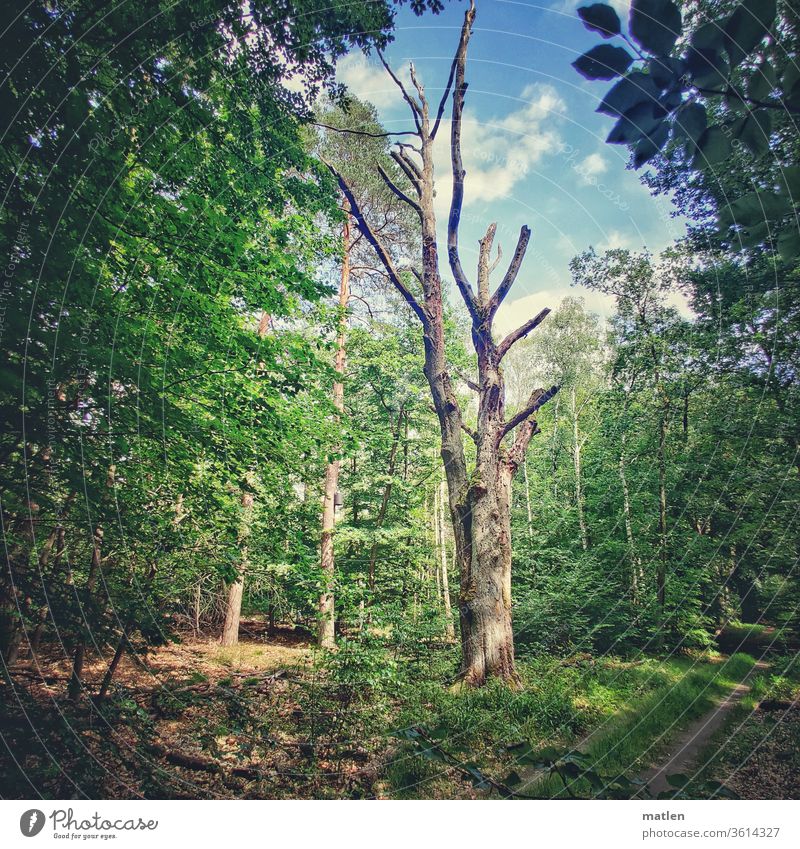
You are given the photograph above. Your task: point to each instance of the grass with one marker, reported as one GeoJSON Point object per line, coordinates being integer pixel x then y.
{"type": "Point", "coordinates": [754, 744]}
{"type": "Point", "coordinates": [622, 714]}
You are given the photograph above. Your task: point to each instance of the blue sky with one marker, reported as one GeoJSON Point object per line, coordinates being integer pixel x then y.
{"type": "Point", "coordinates": [534, 147]}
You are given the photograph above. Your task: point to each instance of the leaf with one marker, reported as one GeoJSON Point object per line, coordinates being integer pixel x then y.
{"type": "Point", "coordinates": [678, 779]}
{"type": "Point", "coordinates": [636, 88]}
{"type": "Point", "coordinates": [789, 244]}
{"type": "Point", "coordinates": [746, 27]}
{"type": "Point", "coordinates": [690, 122]}
{"type": "Point", "coordinates": [762, 82]}
{"type": "Point", "coordinates": [708, 36]}
{"type": "Point", "coordinates": [600, 18]}
{"type": "Point", "coordinates": [790, 181]}
{"type": "Point", "coordinates": [707, 67]}
{"type": "Point", "coordinates": [513, 779]}
{"type": "Point", "coordinates": [655, 24]}
{"type": "Point", "coordinates": [635, 124]}
{"type": "Point", "coordinates": [754, 131]}
{"type": "Point", "coordinates": [603, 62]}
{"type": "Point", "coordinates": [666, 71]}
{"type": "Point", "coordinates": [713, 147]}
{"type": "Point", "coordinates": [650, 145]}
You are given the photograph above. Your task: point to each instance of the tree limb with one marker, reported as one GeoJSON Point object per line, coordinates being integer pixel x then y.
{"type": "Point", "coordinates": [416, 111]}
{"type": "Point", "coordinates": [378, 246]}
{"type": "Point", "coordinates": [537, 399]}
{"type": "Point", "coordinates": [513, 269]}
{"type": "Point", "coordinates": [398, 191]}
{"type": "Point", "coordinates": [457, 198]}
{"type": "Point", "coordinates": [521, 332]}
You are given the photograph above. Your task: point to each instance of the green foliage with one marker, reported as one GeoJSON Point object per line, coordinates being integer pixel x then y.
{"type": "Point", "coordinates": [722, 83]}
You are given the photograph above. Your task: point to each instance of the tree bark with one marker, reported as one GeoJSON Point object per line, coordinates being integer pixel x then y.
{"type": "Point", "coordinates": [326, 622]}
{"type": "Point", "coordinates": [661, 570]}
{"type": "Point", "coordinates": [387, 494]}
{"type": "Point", "coordinates": [76, 679]}
{"type": "Point", "coordinates": [479, 499]}
{"type": "Point", "coordinates": [576, 460]}
{"type": "Point", "coordinates": [233, 606]}
{"type": "Point", "coordinates": [449, 628]}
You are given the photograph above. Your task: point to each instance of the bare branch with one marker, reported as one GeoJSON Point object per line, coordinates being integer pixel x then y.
{"type": "Point", "coordinates": [521, 332]}
{"type": "Point", "coordinates": [470, 432]}
{"type": "Point", "coordinates": [420, 90]}
{"type": "Point", "coordinates": [409, 168]}
{"type": "Point", "coordinates": [538, 399]}
{"type": "Point", "coordinates": [469, 382]}
{"type": "Point", "coordinates": [378, 246]}
{"type": "Point", "coordinates": [364, 132]}
{"type": "Point", "coordinates": [484, 252]}
{"type": "Point", "coordinates": [443, 101]}
{"type": "Point", "coordinates": [398, 191]}
{"type": "Point", "coordinates": [457, 198]}
{"type": "Point", "coordinates": [513, 269]}
{"type": "Point", "coordinates": [416, 110]}
{"type": "Point", "coordinates": [496, 262]}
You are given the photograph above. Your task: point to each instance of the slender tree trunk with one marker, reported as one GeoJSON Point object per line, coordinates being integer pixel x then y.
{"type": "Point", "coordinates": [233, 606]}
{"type": "Point", "coordinates": [528, 503]}
{"type": "Point", "coordinates": [449, 628]}
{"type": "Point", "coordinates": [661, 571]}
{"type": "Point", "coordinates": [387, 494]}
{"type": "Point", "coordinates": [635, 561]}
{"type": "Point", "coordinates": [76, 679]}
{"type": "Point", "coordinates": [326, 625]}
{"type": "Point", "coordinates": [576, 461]}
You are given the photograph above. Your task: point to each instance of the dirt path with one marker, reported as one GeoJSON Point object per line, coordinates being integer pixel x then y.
{"type": "Point", "coordinates": [686, 747]}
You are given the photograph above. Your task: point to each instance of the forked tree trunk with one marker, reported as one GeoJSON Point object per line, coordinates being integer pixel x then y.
{"type": "Point", "coordinates": [479, 499]}
{"type": "Point", "coordinates": [326, 619]}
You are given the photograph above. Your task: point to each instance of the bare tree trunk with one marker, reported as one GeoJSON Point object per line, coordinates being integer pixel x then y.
{"type": "Point", "coordinates": [449, 629]}
{"type": "Point", "coordinates": [233, 606]}
{"type": "Point", "coordinates": [326, 626]}
{"type": "Point", "coordinates": [76, 678]}
{"type": "Point", "coordinates": [576, 460]}
{"type": "Point", "coordinates": [479, 500]}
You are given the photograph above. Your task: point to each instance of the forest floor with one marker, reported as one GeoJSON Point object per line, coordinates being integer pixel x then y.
{"type": "Point", "coordinates": [274, 719]}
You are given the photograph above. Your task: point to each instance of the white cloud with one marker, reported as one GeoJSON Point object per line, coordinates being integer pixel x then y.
{"type": "Point", "coordinates": [512, 315]}
{"type": "Point", "coordinates": [590, 167]}
{"type": "Point", "coordinates": [367, 81]}
{"type": "Point", "coordinates": [499, 152]}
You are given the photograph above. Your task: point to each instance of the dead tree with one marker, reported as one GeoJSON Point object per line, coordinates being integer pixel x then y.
{"type": "Point", "coordinates": [479, 498]}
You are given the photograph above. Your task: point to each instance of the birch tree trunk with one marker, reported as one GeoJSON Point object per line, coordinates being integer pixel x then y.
{"type": "Point", "coordinates": [449, 629]}
{"type": "Point", "coordinates": [326, 619]}
{"type": "Point", "coordinates": [635, 561]}
{"type": "Point", "coordinates": [576, 460]}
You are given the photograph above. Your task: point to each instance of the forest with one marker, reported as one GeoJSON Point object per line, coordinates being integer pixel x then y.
{"type": "Point", "coordinates": [300, 500]}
